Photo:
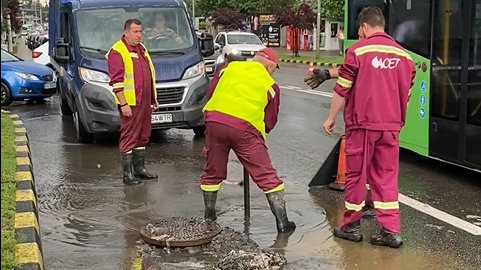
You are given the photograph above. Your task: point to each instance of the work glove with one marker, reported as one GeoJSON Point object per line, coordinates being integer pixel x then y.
{"type": "Point", "coordinates": [317, 77]}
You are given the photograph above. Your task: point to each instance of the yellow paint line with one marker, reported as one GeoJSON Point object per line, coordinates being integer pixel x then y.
{"type": "Point", "coordinates": [24, 176]}
{"type": "Point", "coordinates": [23, 161]}
{"type": "Point", "coordinates": [28, 253]}
{"type": "Point", "coordinates": [25, 196]}
{"type": "Point", "coordinates": [26, 220]}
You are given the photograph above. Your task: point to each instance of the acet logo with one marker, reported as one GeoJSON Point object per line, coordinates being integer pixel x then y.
{"type": "Point", "coordinates": [386, 63]}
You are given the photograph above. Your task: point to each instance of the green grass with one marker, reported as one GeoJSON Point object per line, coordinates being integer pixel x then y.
{"type": "Point", "coordinates": [323, 58]}
{"type": "Point", "coordinates": [8, 192]}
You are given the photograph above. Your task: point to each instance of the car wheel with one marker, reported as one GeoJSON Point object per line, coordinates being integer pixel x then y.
{"type": "Point", "coordinates": [82, 135]}
{"type": "Point", "coordinates": [64, 107]}
{"type": "Point", "coordinates": [6, 95]}
{"type": "Point", "coordinates": [199, 131]}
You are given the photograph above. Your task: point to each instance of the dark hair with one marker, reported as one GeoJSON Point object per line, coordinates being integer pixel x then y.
{"type": "Point", "coordinates": [129, 22]}
{"type": "Point", "coordinates": [372, 16]}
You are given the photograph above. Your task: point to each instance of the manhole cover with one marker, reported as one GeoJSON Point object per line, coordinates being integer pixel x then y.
{"type": "Point", "coordinates": [180, 231]}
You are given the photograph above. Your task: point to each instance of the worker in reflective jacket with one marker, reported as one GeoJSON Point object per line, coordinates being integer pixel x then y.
{"type": "Point", "coordinates": [132, 77]}
{"type": "Point", "coordinates": [243, 107]}
{"type": "Point", "coordinates": [373, 86]}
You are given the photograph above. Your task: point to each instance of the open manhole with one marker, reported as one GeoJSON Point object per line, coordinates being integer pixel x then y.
{"type": "Point", "coordinates": [180, 231]}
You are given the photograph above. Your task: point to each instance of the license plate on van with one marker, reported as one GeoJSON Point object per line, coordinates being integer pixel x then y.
{"type": "Point", "coordinates": [161, 118]}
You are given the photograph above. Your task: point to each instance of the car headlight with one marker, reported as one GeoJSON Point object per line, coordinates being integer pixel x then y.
{"type": "Point", "coordinates": [27, 76]}
{"type": "Point", "coordinates": [90, 76]}
{"type": "Point", "coordinates": [220, 59]}
{"type": "Point", "coordinates": [194, 71]}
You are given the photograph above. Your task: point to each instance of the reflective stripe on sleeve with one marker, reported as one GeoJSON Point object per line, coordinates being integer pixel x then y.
{"type": "Point", "coordinates": [272, 92]}
{"type": "Point", "coordinates": [344, 82]}
{"type": "Point", "coordinates": [118, 85]}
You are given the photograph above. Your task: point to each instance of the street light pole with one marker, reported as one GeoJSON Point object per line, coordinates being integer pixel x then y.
{"type": "Point", "coordinates": [318, 32]}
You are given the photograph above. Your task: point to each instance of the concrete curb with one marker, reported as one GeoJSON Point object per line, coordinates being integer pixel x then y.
{"type": "Point", "coordinates": [324, 64]}
{"type": "Point", "coordinates": [28, 249]}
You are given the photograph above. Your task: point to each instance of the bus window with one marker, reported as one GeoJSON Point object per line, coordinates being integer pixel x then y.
{"type": "Point", "coordinates": [409, 24]}
{"type": "Point", "coordinates": [474, 67]}
{"type": "Point", "coordinates": [355, 7]}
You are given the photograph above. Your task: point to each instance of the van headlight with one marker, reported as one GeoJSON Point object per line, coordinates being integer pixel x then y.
{"type": "Point", "coordinates": [91, 76]}
{"type": "Point", "coordinates": [194, 71]}
{"type": "Point", "coordinates": [27, 76]}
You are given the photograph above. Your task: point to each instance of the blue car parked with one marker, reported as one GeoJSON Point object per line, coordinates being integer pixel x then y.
{"type": "Point", "coordinates": [25, 80]}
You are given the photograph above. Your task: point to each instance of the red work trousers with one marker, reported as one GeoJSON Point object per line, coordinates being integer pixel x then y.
{"type": "Point", "coordinates": [135, 130]}
{"type": "Point", "coordinates": [249, 148]}
{"type": "Point", "coordinates": [372, 157]}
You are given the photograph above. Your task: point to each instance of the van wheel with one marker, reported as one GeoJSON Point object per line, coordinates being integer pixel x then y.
{"type": "Point", "coordinates": [6, 95]}
{"type": "Point", "coordinates": [64, 108]}
{"type": "Point", "coordinates": [82, 135]}
{"type": "Point", "coordinates": [199, 131]}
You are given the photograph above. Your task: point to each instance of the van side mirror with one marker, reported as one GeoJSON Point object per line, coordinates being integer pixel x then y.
{"type": "Point", "coordinates": [216, 47]}
{"type": "Point", "coordinates": [206, 42]}
{"type": "Point", "coordinates": [61, 51]}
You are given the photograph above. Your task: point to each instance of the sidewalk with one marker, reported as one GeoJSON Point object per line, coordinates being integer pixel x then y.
{"type": "Point", "coordinates": [326, 58]}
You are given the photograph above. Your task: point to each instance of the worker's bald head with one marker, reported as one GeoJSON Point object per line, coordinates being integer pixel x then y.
{"type": "Point", "coordinates": [268, 64]}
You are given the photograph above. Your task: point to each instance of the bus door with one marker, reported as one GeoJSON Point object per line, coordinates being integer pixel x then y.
{"type": "Point", "coordinates": [455, 120]}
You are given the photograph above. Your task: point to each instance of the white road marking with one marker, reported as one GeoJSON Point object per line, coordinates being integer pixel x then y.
{"type": "Point", "coordinates": [445, 217]}
{"type": "Point", "coordinates": [422, 207]}
{"type": "Point", "coordinates": [299, 89]}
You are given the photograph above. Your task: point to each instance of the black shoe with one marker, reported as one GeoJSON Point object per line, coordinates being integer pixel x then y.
{"type": "Point", "coordinates": [128, 170]}
{"type": "Point", "coordinates": [278, 208]}
{"type": "Point", "coordinates": [210, 198]}
{"type": "Point", "coordinates": [387, 238]}
{"type": "Point", "coordinates": [351, 232]}
{"type": "Point", "coordinates": [139, 165]}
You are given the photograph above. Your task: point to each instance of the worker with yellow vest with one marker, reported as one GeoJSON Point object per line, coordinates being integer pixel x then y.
{"type": "Point", "coordinates": [132, 77]}
{"type": "Point", "coordinates": [243, 107]}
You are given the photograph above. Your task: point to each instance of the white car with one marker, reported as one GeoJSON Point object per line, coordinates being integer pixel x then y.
{"type": "Point", "coordinates": [40, 55]}
{"type": "Point", "coordinates": [242, 43]}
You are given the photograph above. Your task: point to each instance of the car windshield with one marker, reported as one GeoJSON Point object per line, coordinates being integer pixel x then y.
{"type": "Point", "coordinates": [164, 29]}
{"type": "Point", "coordinates": [6, 57]}
{"type": "Point", "coordinates": [243, 39]}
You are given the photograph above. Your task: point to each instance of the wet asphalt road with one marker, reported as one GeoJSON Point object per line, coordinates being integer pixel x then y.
{"type": "Point", "coordinates": [89, 219]}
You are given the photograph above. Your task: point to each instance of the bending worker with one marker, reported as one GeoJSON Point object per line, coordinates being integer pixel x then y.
{"type": "Point", "coordinates": [243, 107]}
{"type": "Point", "coordinates": [374, 83]}
{"type": "Point", "coordinates": [132, 77]}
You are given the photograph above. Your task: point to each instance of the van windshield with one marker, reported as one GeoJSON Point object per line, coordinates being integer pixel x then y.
{"type": "Point", "coordinates": [164, 29]}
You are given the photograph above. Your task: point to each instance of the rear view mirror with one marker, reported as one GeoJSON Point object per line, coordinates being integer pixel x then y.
{"type": "Point", "coordinates": [216, 47]}
{"type": "Point", "coordinates": [61, 51]}
{"type": "Point", "coordinates": [206, 42]}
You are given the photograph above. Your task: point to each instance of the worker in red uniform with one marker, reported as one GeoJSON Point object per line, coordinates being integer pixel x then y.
{"type": "Point", "coordinates": [243, 107]}
{"type": "Point", "coordinates": [132, 77]}
{"type": "Point", "coordinates": [374, 83]}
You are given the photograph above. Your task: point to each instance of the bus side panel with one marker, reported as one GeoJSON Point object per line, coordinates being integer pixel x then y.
{"type": "Point", "coordinates": [415, 133]}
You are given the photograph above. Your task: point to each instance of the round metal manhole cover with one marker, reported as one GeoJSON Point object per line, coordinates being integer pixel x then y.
{"type": "Point", "coordinates": [180, 231]}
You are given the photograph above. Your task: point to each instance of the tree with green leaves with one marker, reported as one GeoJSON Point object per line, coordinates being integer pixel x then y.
{"type": "Point", "coordinates": [12, 8]}
{"type": "Point", "coordinates": [229, 18]}
{"type": "Point", "coordinates": [330, 9]}
{"type": "Point", "coordinates": [208, 7]}
{"type": "Point", "coordinates": [298, 18]}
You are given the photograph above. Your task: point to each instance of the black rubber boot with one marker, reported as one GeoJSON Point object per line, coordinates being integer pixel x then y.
{"type": "Point", "coordinates": [278, 208]}
{"type": "Point", "coordinates": [351, 232]}
{"type": "Point", "coordinates": [210, 198]}
{"type": "Point", "coordinates": [387, 238]}
{"type": "Point", "coordinates": [139, 166]}
{"type": "Point", "coordinates": [128, 170]}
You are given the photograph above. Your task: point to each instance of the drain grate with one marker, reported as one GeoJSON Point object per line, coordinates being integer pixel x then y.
{"type": "Point", "coordinates": [180, 231]}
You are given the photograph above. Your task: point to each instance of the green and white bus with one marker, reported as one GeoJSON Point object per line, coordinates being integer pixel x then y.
{"type": "Point", "coordinates": [444, 40]}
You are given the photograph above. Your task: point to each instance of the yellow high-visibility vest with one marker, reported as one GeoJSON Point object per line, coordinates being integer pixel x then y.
{"type": "Point", "coordinates": [242, 92]}
{"type": "Point", "coordinates": [129, 84]}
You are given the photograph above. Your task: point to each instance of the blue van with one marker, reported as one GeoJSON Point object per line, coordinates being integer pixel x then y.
{"type": "Point", "coordinates": [81, 33]}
